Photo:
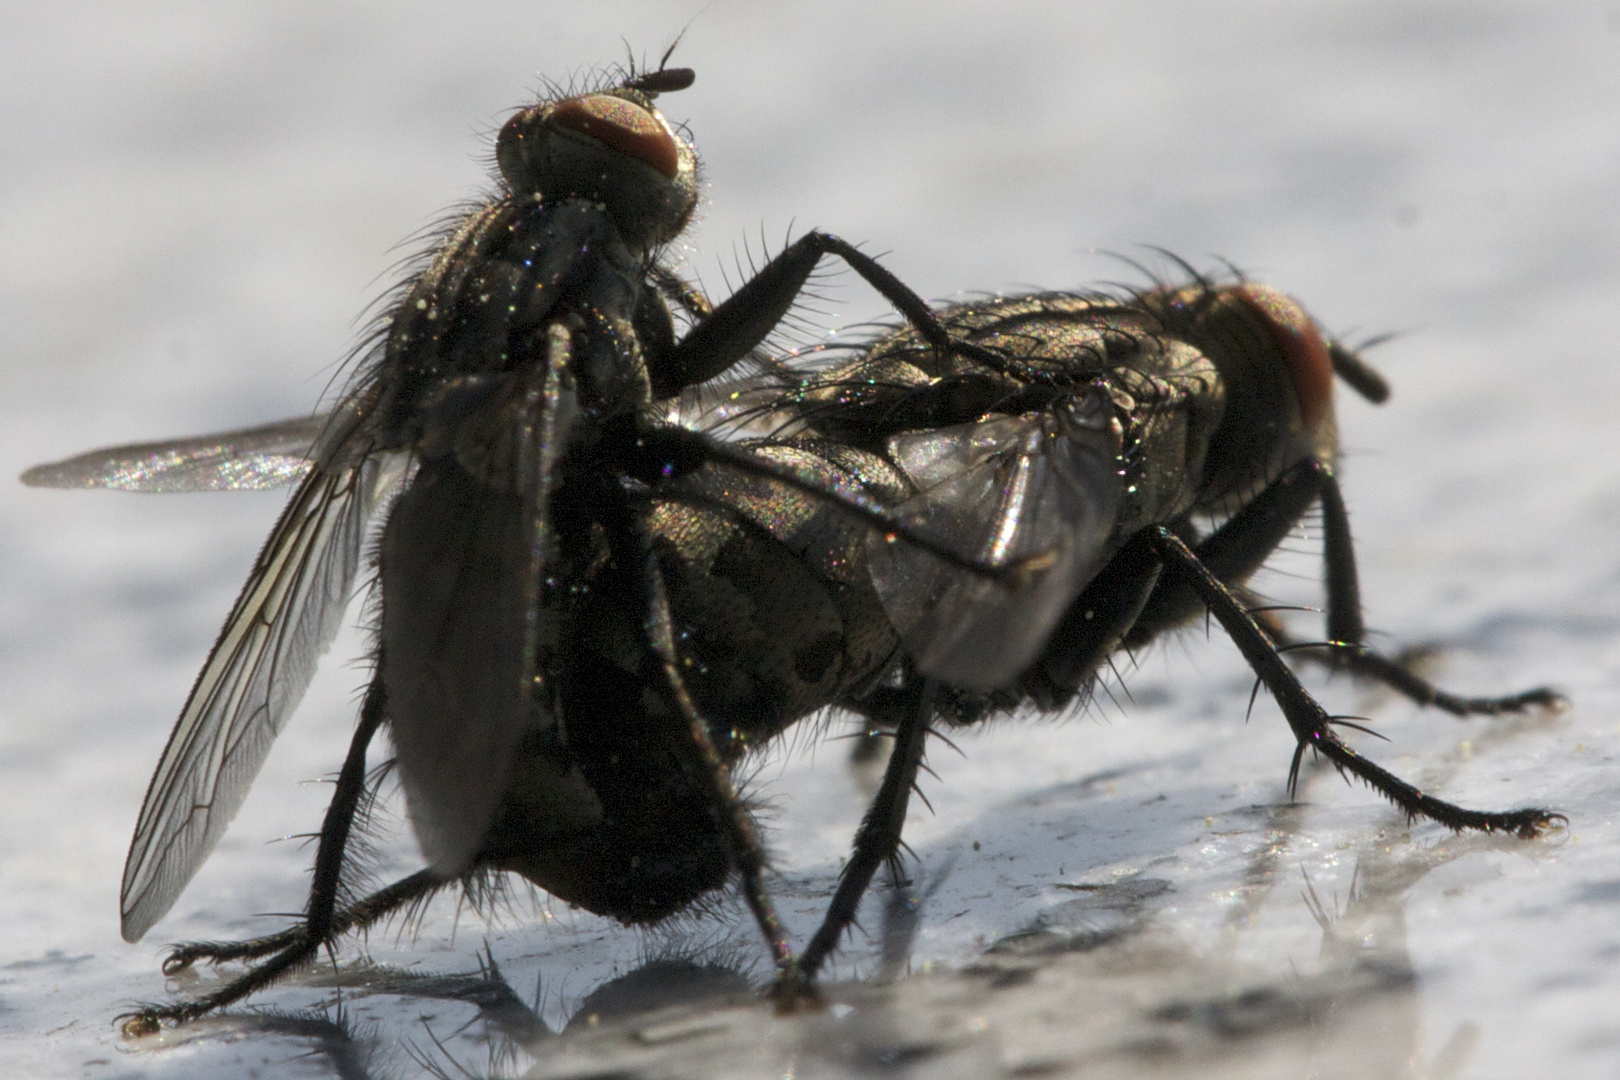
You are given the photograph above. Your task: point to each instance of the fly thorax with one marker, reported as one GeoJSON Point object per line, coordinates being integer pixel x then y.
{"type": "Point", "coordinates": [612, 368]}
{"type": "Point", "coordinates": [488, 302]}
{"type": "Point", "coordinates": [605, 351]}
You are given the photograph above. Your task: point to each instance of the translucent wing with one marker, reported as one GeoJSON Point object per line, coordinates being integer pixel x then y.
{"type": "Point", "coordinates": [270, 456]}
{"type": "Point", "coordinates": [1000, 491]}
{"type": "Point", "coordinates": [283, 620]}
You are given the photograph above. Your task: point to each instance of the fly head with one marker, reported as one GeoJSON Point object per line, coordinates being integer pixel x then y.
{"type": "Point", "coordinates": [1276, 368]}
{"type": "Point", "coordinates": [611, 145]}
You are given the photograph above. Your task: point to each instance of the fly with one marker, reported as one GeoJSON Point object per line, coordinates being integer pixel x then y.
{"type": "Point", "coordinates": [510, 418]}
{"type": "Point", "coordinates": [1137, 458]}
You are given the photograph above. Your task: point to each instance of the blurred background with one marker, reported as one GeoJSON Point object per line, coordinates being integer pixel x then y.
{"type": "Point", "coordinates": [199, 201]}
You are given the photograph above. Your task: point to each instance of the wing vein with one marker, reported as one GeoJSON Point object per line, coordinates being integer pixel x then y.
{"type": "Point", "coordinates": [285, 617]}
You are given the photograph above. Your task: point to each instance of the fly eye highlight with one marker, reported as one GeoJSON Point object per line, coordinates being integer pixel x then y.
{"type": "Point", "coordinates": [622, 125]}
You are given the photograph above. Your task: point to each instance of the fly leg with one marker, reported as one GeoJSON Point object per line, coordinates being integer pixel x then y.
{"type": "Point", "coordinates": [295, 946]}
{"type": "Point", "coordinates": [1237, 549]}
{"type": "Point", "coordinates": [1094, 626]}
{"type": "Point", "coordinates": [1346, 632]}
{"type": "Point", "coordinates": [659, 453]}
{"type": "Point", "coordinates": [1312, 726]}
{"type": "Point", "coordinates": [357, 916]}
{"type": "Point", "coordinates": [876, 842]}
{"type": "Point", "coordinates": [292, 942]}
{"type": "Point", "coordinates": [744, 319]}
{"type": "Point", "coordinates": [747, 853]}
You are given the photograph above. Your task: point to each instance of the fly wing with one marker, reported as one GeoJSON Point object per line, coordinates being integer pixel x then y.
{"type": "Point", "coordinates": [269, 456]}
{"type": "Point", "coordinates": [1041, 486]}
{"type": "Point", "coordinates": [463, 629]}
{"type": "Point", "coordinates": [283, 620]}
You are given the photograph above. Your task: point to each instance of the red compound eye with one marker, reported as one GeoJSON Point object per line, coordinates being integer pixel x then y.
{"type": "Point", "coordinates": [1309, 365]}
{"type": "Point", "coordinates": [623, 125]}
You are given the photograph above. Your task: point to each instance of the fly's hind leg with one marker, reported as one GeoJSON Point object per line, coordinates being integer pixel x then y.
{"type": "Point", "coordinates": [290, 949]}
{"type": "Point", "coordinates": [357, 916]}
{"type": "Point", "coordinates": [297, 945]}
{"type": "Point", "coordinates": [1312, 726]}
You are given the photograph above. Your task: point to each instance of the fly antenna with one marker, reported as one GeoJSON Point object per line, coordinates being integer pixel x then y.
{"type": "Point", "coordinates": [1361, 376]}
{"type": "Point", "coordinates": [666, 79]}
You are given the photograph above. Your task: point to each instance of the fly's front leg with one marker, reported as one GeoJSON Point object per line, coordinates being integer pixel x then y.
{"type": "Point", "coordinates": [1312, 725]}
{"type": "Point", "coordinates": [742, 320]}
{"type": "Point", "coordinates": [1238, 548]}
{"type": "Point", "coordinates": [876, 842]}
{"type": "Point", "coordinates": [297, 945]}
{"type": "Point", "coordinates": [1346, 632]}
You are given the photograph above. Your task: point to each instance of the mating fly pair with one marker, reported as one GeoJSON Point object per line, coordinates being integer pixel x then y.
{"type": "Point", "coordinates": [588, 615]}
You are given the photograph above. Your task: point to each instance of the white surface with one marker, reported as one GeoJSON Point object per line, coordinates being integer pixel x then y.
{"type": "Point", "coordinates": [197, 201]}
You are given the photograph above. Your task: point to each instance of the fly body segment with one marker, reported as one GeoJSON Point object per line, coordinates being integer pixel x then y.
{"type": "Point", "coordinates": [589, 613]}
{"type": "Point", "coordinates": [571, 650]}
